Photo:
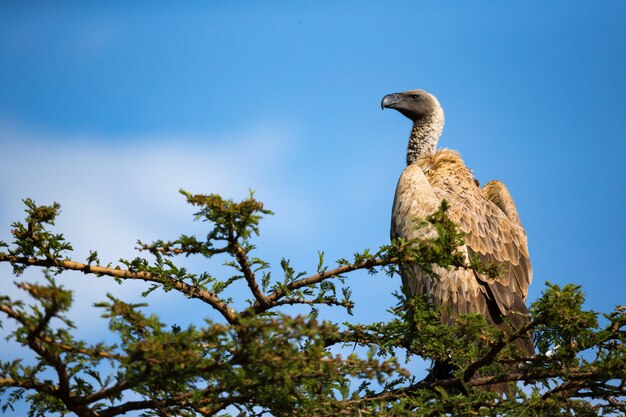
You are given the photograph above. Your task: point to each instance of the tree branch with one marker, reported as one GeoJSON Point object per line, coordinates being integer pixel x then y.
{"type": "Point", "coordinates": [313, 302]}
{"type": "Point", "coordinates": [496, 348]}
{"type": "Point", "coordinates": [46, 388]}
{"type": "Point", "coordinates": [276, 295]}
{"type": "Point", "coordinates": [191, 291]}
{"type": "Point", "coordinates": [93, 352]}
{"type": "Point", "coordinates": [246, 269]}
{"type": "Point", "coordinates": [104, 393]}
{"type": "Point", "coordinates": [167, 250]}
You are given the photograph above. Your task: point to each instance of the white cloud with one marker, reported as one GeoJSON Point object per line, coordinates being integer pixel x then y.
{"type": "Point", "coordinates": [118, 189]}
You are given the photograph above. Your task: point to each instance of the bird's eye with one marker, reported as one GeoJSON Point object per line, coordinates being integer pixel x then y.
{"type": "Point", "coordinates": [415, 97]}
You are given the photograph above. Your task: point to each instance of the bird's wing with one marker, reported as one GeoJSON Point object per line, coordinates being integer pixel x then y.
{"type": "Point", "coordinates": [499, 195]}
{"type": "Point", "coordinates": [415, 199]}
{"type": "Point", "coordinates": [490, 233]}
{"type": "Point", "coordinates": [456, 289]}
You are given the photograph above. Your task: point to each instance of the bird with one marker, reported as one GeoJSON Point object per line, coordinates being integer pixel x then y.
{"type": "Point", "coordinates": [487, 216]}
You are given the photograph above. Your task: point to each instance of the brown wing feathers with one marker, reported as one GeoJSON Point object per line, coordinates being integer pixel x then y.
{"type": "Point", "coordinates": [490, 222]}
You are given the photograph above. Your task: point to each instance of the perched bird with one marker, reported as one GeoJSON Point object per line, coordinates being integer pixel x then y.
{"type": "Point", "coordinates": [486, 215]}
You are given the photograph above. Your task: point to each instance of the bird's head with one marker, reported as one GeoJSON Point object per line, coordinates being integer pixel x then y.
{"type": "Point", "coordinates": [415, 104]}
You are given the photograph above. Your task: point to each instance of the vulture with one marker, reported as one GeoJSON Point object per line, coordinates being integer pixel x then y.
{"type": "Point", "coordinates": [486, 215]}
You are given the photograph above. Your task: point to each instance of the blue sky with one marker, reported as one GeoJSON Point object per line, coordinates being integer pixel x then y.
{"type": "Point", "coordinates": [111, 109]}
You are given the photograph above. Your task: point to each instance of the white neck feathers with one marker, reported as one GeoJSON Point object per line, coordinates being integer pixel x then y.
{"type": "Point", "coordinates": [425, 135]}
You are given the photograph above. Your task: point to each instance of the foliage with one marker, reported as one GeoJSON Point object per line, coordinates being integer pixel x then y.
{"type": "Point", "coordinates": [262, 360]}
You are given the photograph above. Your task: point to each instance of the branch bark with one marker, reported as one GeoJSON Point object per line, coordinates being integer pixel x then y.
{"type": "Point", "coordinates": [191, 291]}
{"type": "Point", "coordinates": [246, 269]}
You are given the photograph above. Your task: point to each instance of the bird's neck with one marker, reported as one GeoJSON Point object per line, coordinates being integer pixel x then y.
{"type": "Point", "coordinates": [424, 136]}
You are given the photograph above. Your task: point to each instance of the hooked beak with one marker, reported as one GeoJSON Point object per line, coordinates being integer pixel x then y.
{"type": "Point", "coordinates": [390, 101]}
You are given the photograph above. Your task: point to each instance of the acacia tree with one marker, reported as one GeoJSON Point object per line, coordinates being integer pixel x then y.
{"type": "Point", "coordinates": [267, 359]}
